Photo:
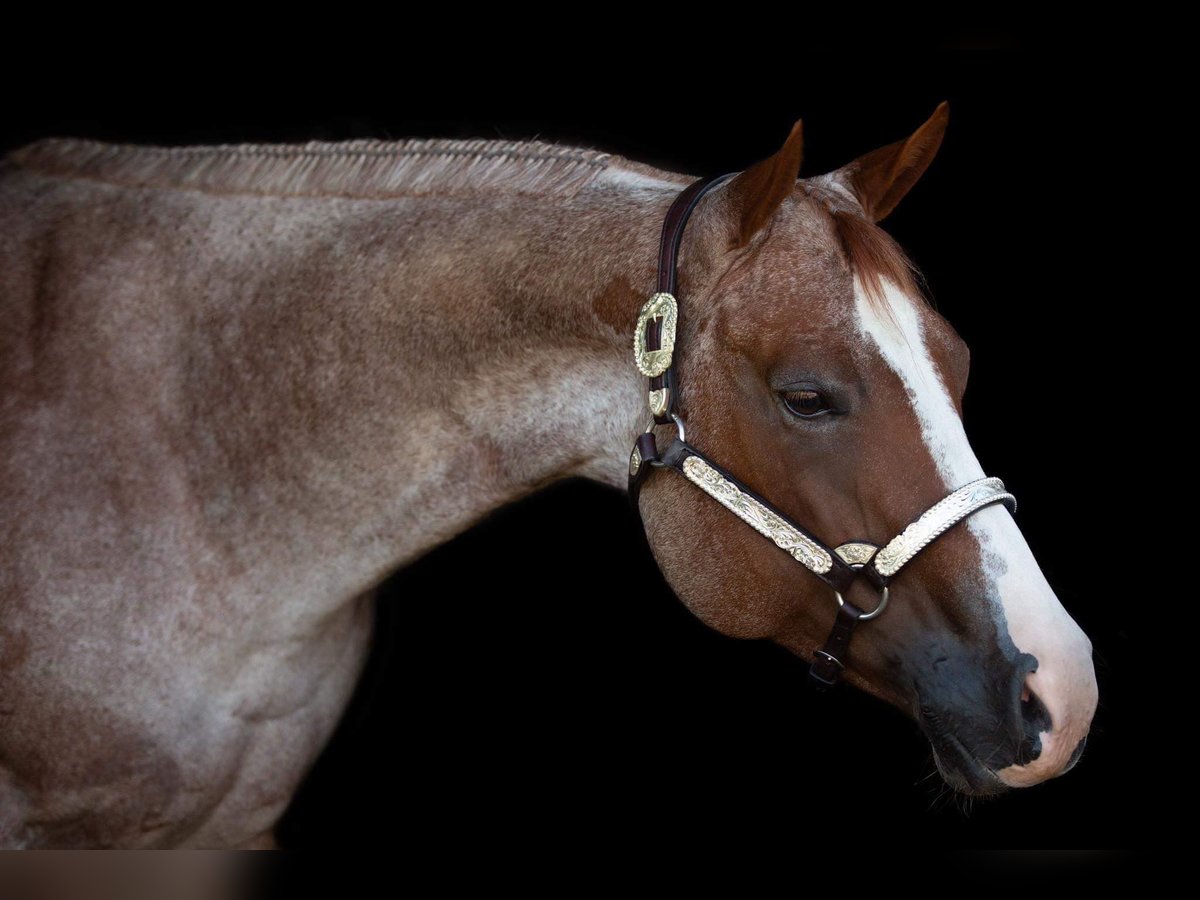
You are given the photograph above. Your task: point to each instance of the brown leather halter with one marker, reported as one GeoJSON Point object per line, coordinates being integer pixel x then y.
{"type": "Point", "coordinates": [839, 566]}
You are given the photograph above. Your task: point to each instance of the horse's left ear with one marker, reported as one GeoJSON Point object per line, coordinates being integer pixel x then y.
{"type": "Point", "coordinates": [756, 193]}
{"type": "Point", "coordinates": [881, 178]}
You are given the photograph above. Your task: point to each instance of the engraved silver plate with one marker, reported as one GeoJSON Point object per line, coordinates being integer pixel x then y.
{"type": "Point", "coordinates": [757, 516]}
{"type": "Point", "coordinates": [653, 363]}
{"type": "Point", "coordinates": [657, 401]}
{"type": "Point", "coordinates": [938, 518]}
{"type": "Point", "coordinates": [635, 462]}
{"type": "Point", "coordinates": [855, 553]}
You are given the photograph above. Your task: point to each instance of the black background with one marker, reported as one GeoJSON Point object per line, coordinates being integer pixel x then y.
{"type": "Point", "coordinates": [538, 670]}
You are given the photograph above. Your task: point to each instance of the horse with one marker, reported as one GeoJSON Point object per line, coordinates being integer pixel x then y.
{"type": "Point", "coordinates": [242, 384]}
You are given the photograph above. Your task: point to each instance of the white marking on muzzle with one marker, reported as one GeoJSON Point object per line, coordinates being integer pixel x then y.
{"type": "Point", "coordinates": [1065, 681]}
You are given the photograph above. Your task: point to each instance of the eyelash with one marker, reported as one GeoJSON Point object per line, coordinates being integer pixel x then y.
{"type": "Point", "coordinates": [786, 398]}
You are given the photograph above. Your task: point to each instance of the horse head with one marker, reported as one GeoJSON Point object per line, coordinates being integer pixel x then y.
{"type": "Point", "coordinates": [811, 365]}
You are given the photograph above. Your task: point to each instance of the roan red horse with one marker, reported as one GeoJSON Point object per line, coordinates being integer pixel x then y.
{"type": "Point", "coordinates": [240, 385]}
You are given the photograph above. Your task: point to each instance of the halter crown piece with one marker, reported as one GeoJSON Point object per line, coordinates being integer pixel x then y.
{"type": "Point", "coordinates": [838, 567]}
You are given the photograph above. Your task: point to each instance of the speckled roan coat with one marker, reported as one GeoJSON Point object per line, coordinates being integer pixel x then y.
{"type": "Point", "coordinates": [240, 385]}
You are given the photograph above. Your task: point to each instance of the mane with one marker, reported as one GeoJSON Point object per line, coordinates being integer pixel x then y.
{"type": "Point", "coordinates": [355, 168]}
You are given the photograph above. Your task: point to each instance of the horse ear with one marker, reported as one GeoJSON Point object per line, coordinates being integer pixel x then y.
{"type": "Point", "coordinates": [882, 177]}
{"type": "Point", "coordinates": [756, 193]}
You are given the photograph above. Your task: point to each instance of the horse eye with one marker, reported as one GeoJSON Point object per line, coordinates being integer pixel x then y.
{"type": "Point", "coordinates": [806, 404]}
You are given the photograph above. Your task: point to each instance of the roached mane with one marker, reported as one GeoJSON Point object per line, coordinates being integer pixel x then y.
{"type": "Point", "coordinates": [356, 168]}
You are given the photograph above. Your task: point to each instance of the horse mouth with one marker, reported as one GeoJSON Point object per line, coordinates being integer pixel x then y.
{"type": "Point", "coordinates": [961, 769]}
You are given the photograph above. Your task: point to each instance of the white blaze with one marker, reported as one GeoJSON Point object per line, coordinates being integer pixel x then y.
{"type": "Point", "coordinates": [1065, 681]}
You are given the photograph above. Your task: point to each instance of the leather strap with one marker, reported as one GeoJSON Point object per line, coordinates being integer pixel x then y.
{"type": "Point", "coordinates": [668, 255]}
{"type": "Point", "coordinates": [673, 225]}
{"type": "Point", "coordinates": [805, 547]}
{"type": "Point", "coordinates": [641, 460]}
{"type": "Point", "coordinates": [932, 523]}
{"type": "Point", "coordinates": [830, 661]}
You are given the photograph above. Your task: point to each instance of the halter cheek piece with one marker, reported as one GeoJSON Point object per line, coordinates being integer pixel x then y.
{"type": "Point", "coordinates": [838, 567]}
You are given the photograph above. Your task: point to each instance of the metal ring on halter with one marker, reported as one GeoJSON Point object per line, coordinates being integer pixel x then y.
{"type": "Point", "coordinates": [679, 428]}
{"type": "Point", "coordinates": [829, 656]}
{"type": "Point", "coordinates": [883, 598]}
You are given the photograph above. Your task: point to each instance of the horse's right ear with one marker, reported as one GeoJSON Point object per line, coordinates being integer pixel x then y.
{"type": "Point", "coordinates": [756, 193]}
{"type": "Point", "coordinates": [881, 178]}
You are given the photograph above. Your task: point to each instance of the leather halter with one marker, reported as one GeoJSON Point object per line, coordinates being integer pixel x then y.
{"type": "Point", "coordinates": [838, 567]}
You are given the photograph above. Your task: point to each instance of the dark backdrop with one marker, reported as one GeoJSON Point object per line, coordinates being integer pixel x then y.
{"type": "Point", "coordinates": [538, 669]}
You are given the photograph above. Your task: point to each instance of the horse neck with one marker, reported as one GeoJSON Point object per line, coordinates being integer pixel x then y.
{"type": "Point", "coordinates": [542, 297]}
{"type": "Point", "coordinates": [499, 358]}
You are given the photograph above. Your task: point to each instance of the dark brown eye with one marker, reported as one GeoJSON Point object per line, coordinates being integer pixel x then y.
{"type": "Point", "coordinates": [806, 404]}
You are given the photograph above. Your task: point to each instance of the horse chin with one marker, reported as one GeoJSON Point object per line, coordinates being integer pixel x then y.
{"type": "Point", "coordinates": [960, 769]}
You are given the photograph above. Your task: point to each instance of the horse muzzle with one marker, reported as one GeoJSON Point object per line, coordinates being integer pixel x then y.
{"type": "Point", "coordinates": [996, 725]}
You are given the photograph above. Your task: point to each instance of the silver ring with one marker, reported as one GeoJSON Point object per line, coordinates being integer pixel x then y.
{"type": "Point", "coordinates": [883, 598]}
{"type": "Point", "coordinates": [679, 427]}
{"type": "Point", "coordinates": [830, 657]}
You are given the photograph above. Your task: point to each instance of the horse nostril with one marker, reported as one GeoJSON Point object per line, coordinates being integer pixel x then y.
{"type": "Point", "coordinates": [1035, 720]}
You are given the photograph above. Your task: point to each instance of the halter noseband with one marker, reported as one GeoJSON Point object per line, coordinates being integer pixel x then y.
{"type": "Point", "coordinates": [838, 567]}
